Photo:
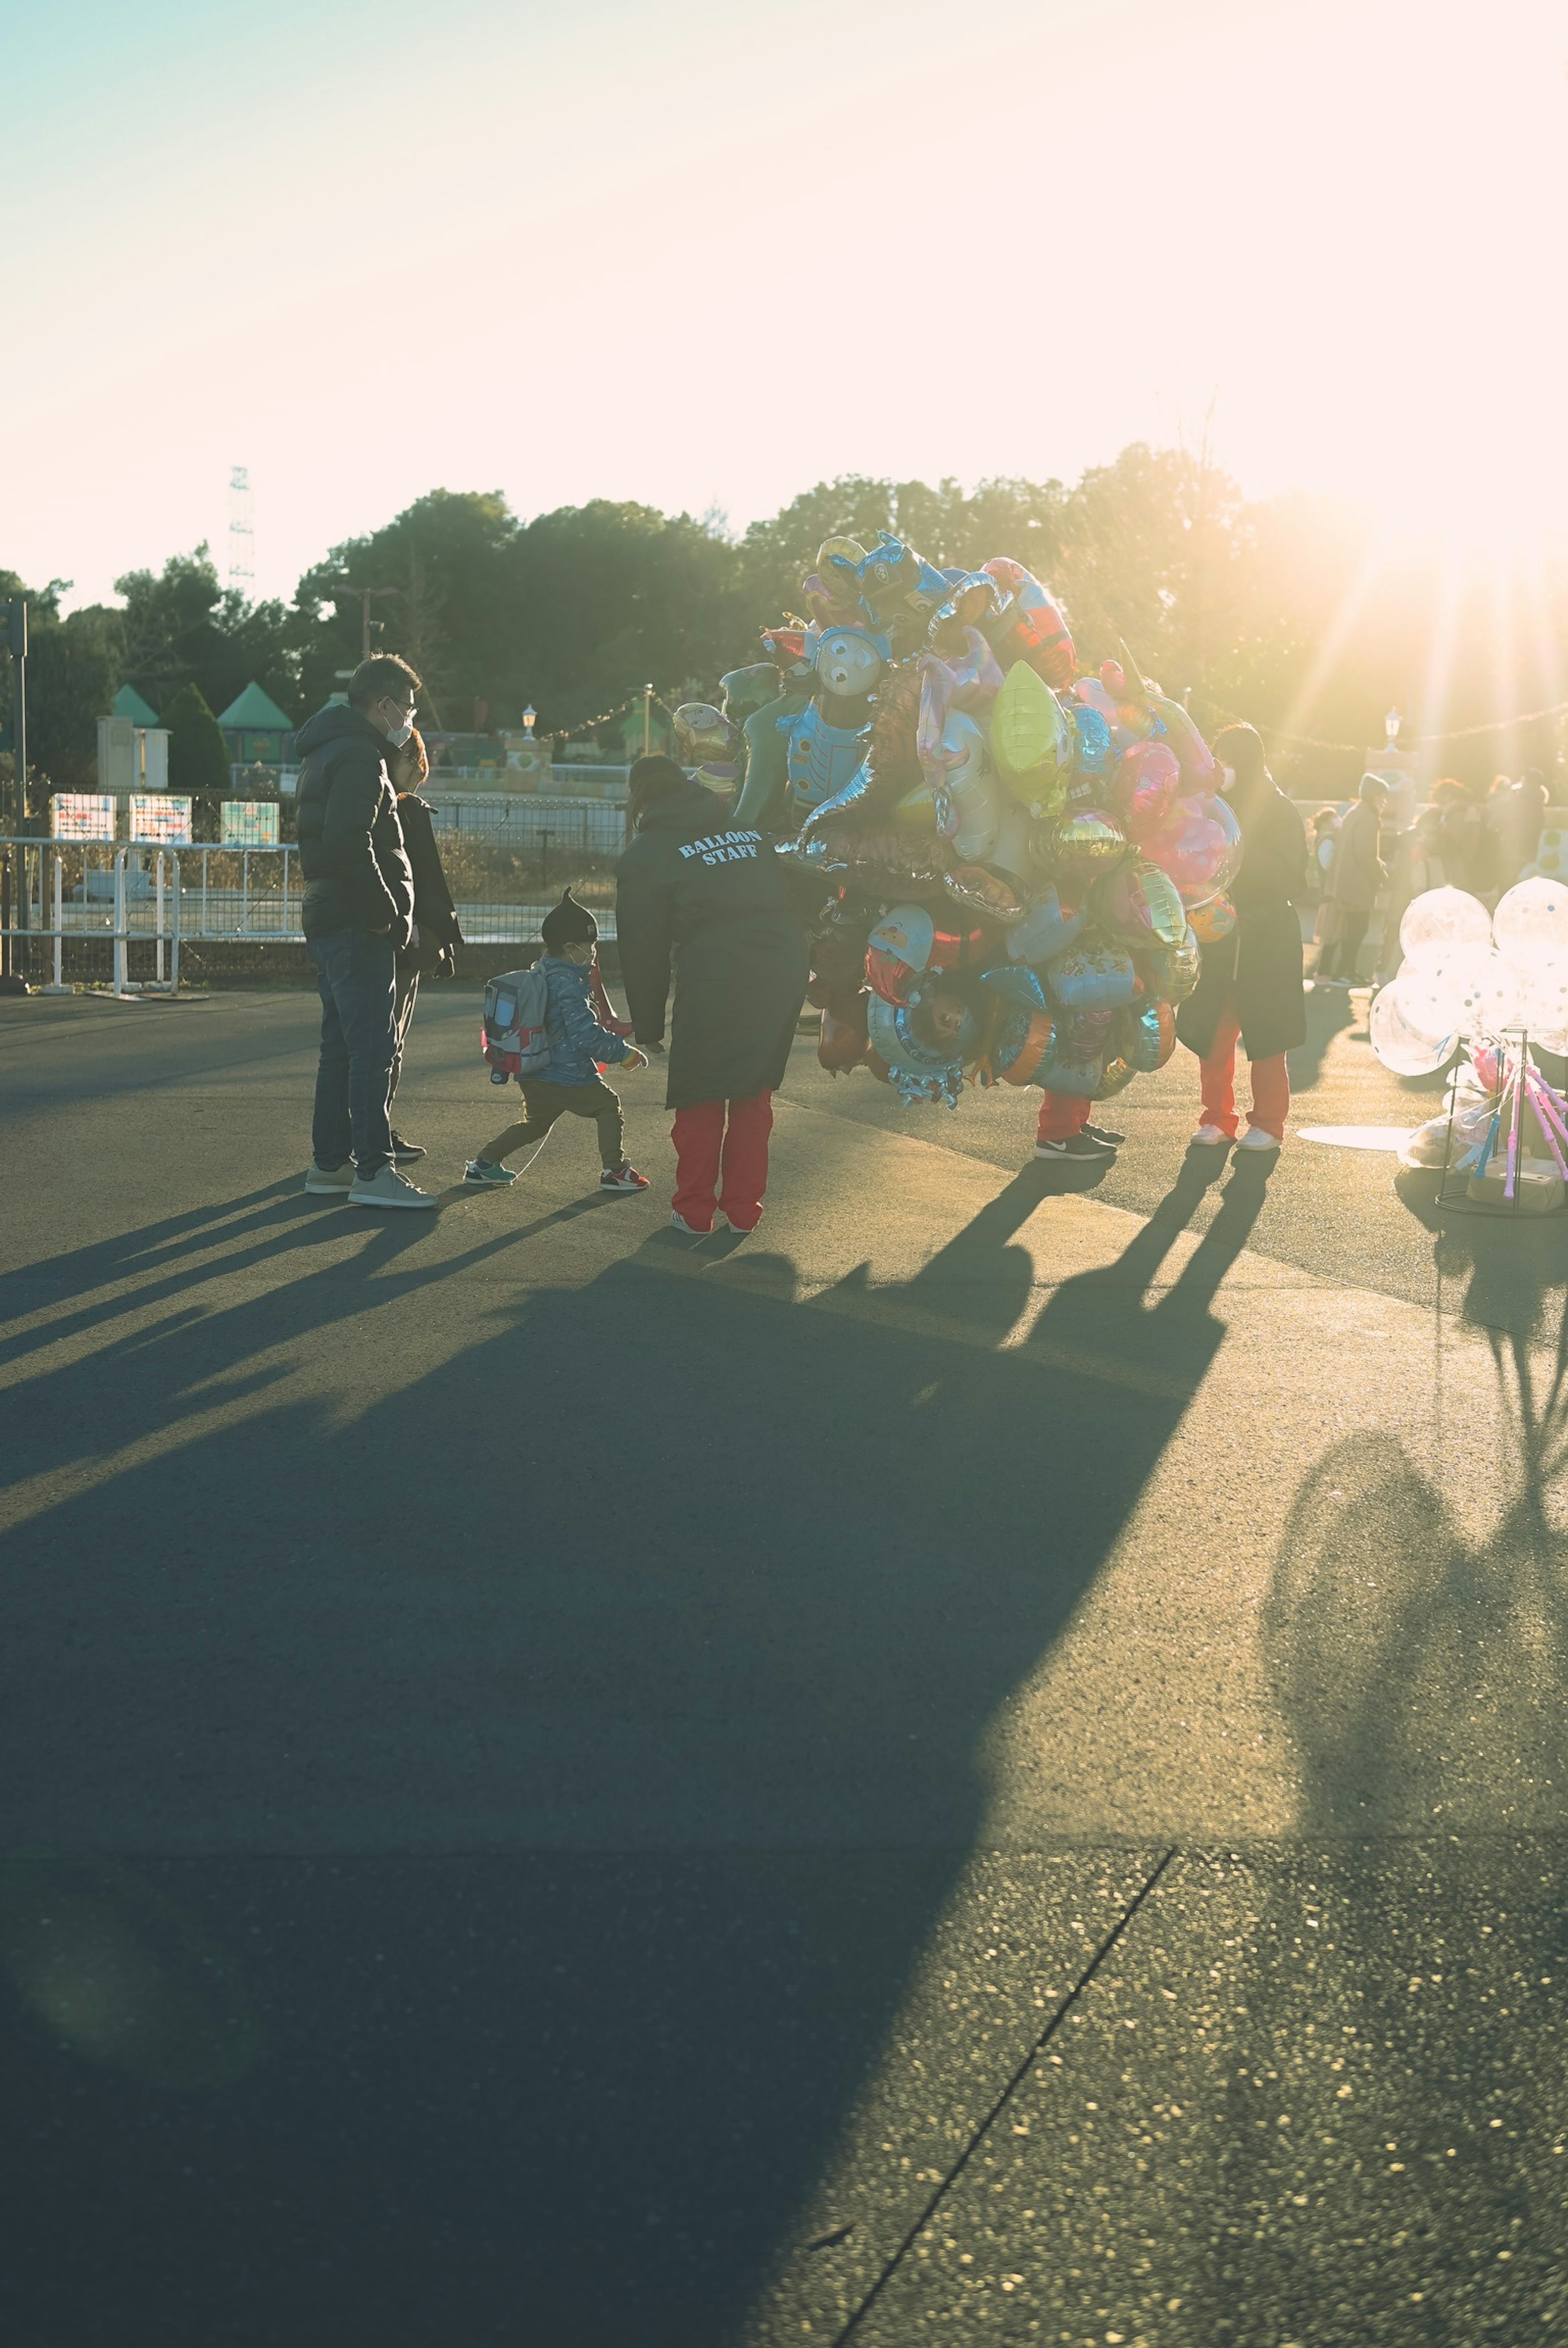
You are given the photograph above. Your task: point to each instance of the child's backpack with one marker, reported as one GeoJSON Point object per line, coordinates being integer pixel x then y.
{"type": "Point", "coordinates": [511, 1032]}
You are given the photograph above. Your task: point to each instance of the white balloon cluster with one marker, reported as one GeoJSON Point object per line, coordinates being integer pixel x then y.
{"type": "Point", "coordinates": [1466, 974]}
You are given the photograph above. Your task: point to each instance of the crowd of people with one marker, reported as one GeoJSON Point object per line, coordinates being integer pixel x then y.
{"type": "Point", "coordinates": [1459, 840]}
{"type": "Point", "coordinates": [712, 931]}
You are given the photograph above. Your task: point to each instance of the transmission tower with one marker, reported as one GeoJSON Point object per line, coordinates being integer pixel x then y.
{"type": "Point", "coordinates": [241, 533]}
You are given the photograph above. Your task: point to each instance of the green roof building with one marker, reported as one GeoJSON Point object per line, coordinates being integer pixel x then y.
{"type": "Point", "coordinates": [129, 703]}
{"type": "Point", "coordinates": [256, 730]}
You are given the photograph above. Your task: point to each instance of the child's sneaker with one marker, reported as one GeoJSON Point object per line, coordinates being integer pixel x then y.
{"type": "Point", "coordinates": [486, 1177]}
{"type": "Point", "coordinates": [623, 1177]}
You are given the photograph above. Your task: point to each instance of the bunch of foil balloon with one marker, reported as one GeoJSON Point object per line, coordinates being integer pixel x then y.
{"type": "Point", "coordinates": [1018, 863]}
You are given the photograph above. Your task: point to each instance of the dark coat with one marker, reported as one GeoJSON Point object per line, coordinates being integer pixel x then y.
{"type": "Point", "coordinates": [356, 871]}
{"type": "Point", "coordinates": [1258, 968]}
{"type": "Point", "coordinates": [712, 904]}
{"type": "Point", "coordinates": [435, 915]}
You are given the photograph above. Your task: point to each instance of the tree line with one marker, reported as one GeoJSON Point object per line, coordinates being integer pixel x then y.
{"type": "Point", "coordinates": [1283, 611]}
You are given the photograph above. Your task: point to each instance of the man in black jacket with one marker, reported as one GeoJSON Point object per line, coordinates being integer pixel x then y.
{"type": "Point", "coordinates": [358, 916]}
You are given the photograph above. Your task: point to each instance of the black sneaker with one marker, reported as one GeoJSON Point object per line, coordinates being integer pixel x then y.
{"type": "Point", "coordinates": [1112, 1140]}
{"type": "Point", "coordinates": [405, 1152]}
{"type": "Point", "coordinates": [1080, 1148]}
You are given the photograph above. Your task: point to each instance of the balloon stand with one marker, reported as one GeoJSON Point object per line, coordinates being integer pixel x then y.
{"type": "Point", "coordinates": [1505, 1138]}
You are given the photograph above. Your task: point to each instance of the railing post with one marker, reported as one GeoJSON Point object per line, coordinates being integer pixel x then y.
{"type": "Point", "coordinates": [59, 926]}
{"type": "Point", "coordinates": [158, 919]}
{"type": "Point", "coordinates": [119, 930]}
{"type": "Point", "coordinates": [174, 932]}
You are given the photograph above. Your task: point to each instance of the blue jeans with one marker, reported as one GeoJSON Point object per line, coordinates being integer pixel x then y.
{"type": "Point", "coordinates": [358, 1041]}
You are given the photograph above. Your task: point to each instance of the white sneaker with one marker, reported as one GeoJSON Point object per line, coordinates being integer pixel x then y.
{"type": "Point", "coordinates": [692, 1231]}
{"type": "Point", "coordinates": [1209, 1137]}
{"type": "Point", "coordinates": [330, 1181]}
{"type": "Point", "coordinates": [388, 1188]}
{"type": "Point", "coordinates": [1257, 1137]}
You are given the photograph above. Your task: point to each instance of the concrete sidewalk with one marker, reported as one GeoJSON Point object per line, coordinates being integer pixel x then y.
{"type": "Point", "coordinates": [605, 1788]}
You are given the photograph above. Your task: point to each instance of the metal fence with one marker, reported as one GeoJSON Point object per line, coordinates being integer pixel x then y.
{"type": "Point", "coordinates": [90, 914]}
{"type": "Point", "coordinates": [97, 914]}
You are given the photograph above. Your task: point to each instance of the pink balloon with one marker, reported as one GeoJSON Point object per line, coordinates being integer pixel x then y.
{"type": "Point", "coordinates": [1146, 779]}
{"type": "Point", "coordinates": [1199, 844]}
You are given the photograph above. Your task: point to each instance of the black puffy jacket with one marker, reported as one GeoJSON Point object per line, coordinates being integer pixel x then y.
{"type": "Point", "coordinates": [351, 851]}
{"type": "Point", "coordinates": [707, 900]}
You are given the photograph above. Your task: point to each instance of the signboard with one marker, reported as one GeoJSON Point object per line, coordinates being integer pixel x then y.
{"type": "Point", "coordinates": [82, 815]}
{"type": "Point", "coordinates": [250, 823]}
{"type": "Point", "coordinates": [160, 816]}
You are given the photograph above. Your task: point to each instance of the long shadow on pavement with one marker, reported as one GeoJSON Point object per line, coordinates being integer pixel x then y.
{"type": "Point", "coordinates": [597, 1714]}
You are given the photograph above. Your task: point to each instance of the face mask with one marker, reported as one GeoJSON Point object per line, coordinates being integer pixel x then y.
{"type": "Point", "coordinates": [399, 735]}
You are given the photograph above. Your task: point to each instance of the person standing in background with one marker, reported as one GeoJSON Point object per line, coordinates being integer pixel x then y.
{"type": "Point", "coordinates": [1250, 990]}
{"type": "Point", "coordinates": [1355, 878]}
{"type": "Point", "coordinates": [433, 951]}
{"type": "Point", "coordinates": [359, 915]}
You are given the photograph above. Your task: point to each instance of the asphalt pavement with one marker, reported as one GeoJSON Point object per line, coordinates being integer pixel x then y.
{"type": "Point", "coordinates": [986, 1762]}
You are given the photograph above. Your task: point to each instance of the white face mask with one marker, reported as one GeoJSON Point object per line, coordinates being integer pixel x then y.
{"type": "Point", "coordinates": [401, 733]}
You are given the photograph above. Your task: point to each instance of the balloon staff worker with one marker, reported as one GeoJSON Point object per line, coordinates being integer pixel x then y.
{"type": "Point", "coordinates": [704, 902]}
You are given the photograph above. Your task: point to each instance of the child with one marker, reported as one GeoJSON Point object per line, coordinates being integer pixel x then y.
{"type": "Point", "coordinates": [571, 1084]}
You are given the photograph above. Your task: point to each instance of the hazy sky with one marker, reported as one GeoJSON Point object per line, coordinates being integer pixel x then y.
{"type": "Point", "coordinates": [709, 253]}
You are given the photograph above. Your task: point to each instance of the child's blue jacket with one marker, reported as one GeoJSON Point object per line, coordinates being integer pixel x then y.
{"type": "Point", "coordinates": [575, 1037]}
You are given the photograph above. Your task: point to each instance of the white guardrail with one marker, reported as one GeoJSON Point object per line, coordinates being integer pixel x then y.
{"type": "Point", "coordinates": [114, 897]}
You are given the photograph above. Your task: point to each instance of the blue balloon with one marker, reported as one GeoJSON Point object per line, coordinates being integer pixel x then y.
{"type": "Point", "coordinates": [1095, 752]}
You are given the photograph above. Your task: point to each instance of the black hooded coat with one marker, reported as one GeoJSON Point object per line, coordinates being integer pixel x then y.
{"type": "Point", "coordinates": [1258, 967]}
{"type": "Point", "coordinates": [351, 851]}
{"type": "Point", "coordinates": [709, 903]}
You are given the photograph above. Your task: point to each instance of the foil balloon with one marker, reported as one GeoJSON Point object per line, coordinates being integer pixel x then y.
{"type": "Point", "coordinates": [1141, 905]}
{"type": "Point", "coordinates": [1172, 971]}
{"type": "Point", "coordinates": [823, 759]}
{"type": "Point", "coordinates": [1531, 924]}
{"type": "Point", "coordinates": [1148, 1035]}
{"type": "Point", "coordinates": [974, 600]}
{"type": "Point", "coordinates": [1117, 1074]}
{"type": "Point", "coordinates": [915, 1070]}
{"type": "Point", "coordinates": [1199, 845]}
{"type": "Point", "coordinates": [1017, 984]}
{"type": "Point", "coordinates": [1010, 850]}
{"type": "Point", "coordinates": [1214, 919]}
{"type": "Point", "coordinates": [907, 932]}
{"type": "Point", "coordinates": [1021, 1042]}
{"type": "Point", "coordinates": [892, 579]}
{"type": "Point", "coordinates": [1199, 771]}
{"type": "Point", "coordinates": [1092, 978]}
{"type": "Point", "coordinates": [1091, 693]}
{"type": "Point", "coordinates": [924, 808]}
{"type": "Point", "coordinates": [1084, 838]}
{"type": "Point", "coordinates": [952, 949]}
{"type": "Point", "coordinates": [886, 975]}
{"type": "Point", "coordinates": [842, 1042]}
{"type": "Point", "coordinates": [1447, 917]}
{"type": "Point", "coordinates": [1066, 1069]}
{"type": "Point", "coordinates": [765, 794]}
{"type": "Point", "coordinates": [979, 891]}
{"type": "Point", "coordinates": [747, 690]}
{"type": "Point", "coordinates": [1094, 753]}
{"type": "Point", "coordinates": [1046, 928]}
{"type": "Point", "coordinates": [850, 662]}
{"type": "Point", "coordinates": [706, 740]}
{"type": "Point", "coordinates": [1031, 740]}
{"type": "Point", "coordinates": [1145, 786]}
{"type": "Point", "coordinates": [892, 753]}
{"type": "Point", "coordinates": [971, 788]}
{"type": "Point", "coordinates": [1031, 626]}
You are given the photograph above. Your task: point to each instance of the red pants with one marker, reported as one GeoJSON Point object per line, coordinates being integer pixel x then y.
{"type": "Point", "coordinates": [1271, 1083]}
{"type": "Point", "coordinates": [1062, 1116]}
{"type": "Point", "coordinates": [706, 1153]}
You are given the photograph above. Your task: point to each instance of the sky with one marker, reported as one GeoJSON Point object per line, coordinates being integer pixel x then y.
{"type": "Point", "coordinates": [706, 253]}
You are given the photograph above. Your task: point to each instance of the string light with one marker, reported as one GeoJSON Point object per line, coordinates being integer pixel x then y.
{"type": "Point", "coordinates": [1357, 749]}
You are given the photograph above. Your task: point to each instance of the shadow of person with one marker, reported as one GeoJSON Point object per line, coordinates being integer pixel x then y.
{"type": "Point", "coordinates": [626, 1668]}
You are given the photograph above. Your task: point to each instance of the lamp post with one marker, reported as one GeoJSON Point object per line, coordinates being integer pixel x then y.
{"type": "Point", "coordinates": [528, 715]}
{"type": "Point", "coordinates": [1391, 725]}
{"type": "Point", "coordinates": [647, 718]}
